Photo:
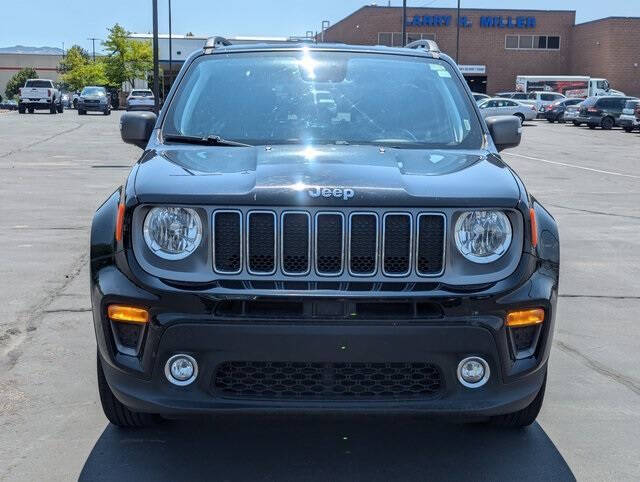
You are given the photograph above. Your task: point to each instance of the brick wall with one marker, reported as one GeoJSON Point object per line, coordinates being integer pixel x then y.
{"type": "Point", "coordinates": [579, 54]}
{"type": "Point", "coordinates": [609, 48]}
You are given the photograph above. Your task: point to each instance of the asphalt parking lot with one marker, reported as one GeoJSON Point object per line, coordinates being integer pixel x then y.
{"type": "Point", "coordinates": [56, 170]}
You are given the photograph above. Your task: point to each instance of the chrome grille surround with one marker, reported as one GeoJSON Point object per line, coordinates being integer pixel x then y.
{"type": "Point", "coordinates": [409, 248]}
{"type": "Point", "coordinates": [417, 244]}
{"type": "Point", "coordinates": [275, 242]}
{"type": "Point", "coordinates": [282, 243]}
{"type": "Point", "coordinates": [316, 230]}
{"type": "Point", "coordinates": [344, 236]}
{"type": "Point", "coordinates": [240, 250]}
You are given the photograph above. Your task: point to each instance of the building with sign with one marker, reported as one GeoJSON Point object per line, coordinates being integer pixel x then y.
{"type": "Point", "coordinates": [498, 45]}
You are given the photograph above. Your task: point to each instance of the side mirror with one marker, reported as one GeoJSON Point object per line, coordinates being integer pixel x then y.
{"type": "Point", "coordinates": [505, 131]}
{"type": "Point", "coordinates": [136, 127]}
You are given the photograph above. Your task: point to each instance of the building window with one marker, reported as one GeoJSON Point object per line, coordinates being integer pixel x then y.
{"type": "Point", "coordinates": [394, 39]}
{"type": "Point", "coordinates": [532, 42]}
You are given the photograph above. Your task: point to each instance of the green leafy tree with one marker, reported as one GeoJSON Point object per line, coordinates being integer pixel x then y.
{"type": "Point", "coordinates": [88, 73]}
{"type": "Point", "coordinates": [18, 80]}
{"type": "Point", "coordinates": [127, 59]}
{"type": "Point", "coordinates": [76, 56]}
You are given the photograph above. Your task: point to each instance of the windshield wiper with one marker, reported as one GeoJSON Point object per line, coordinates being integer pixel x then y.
{"type": "Point", "coordinates": [206, 140]}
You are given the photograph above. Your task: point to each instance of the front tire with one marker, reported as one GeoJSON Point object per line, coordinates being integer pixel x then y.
{"type": "Point", "coordinates": [577, 124]}
{"type": "Point", "coordinates": [628, 129]}
{"type": "Point", "coordinates": [60, 108]}
{"type": "Point", "coordinates": [526, 416]}
{"type": "Point", "coordinates": [114, 410]}
{"type": "Point", "coordinates": [521, 117]}
{"type": "Point", "coordinates": [81, 112]}
{"type": "Point", "coordinates": [53, 109]}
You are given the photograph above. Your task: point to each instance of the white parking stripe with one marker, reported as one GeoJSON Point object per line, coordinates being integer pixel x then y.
{"type": "Point", "coordinates": [564, 164]}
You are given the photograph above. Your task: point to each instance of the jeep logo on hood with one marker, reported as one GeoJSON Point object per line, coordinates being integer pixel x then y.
{"type": "Point", "coordinates": [335, 192]}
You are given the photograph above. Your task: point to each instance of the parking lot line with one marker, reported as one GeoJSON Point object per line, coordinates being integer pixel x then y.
{"type": "Point", "coordinates": [564, 164]}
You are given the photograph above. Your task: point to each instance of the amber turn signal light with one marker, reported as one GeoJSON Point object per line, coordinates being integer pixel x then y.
{"type": "Point", "coordinates": [120, 221]}
{"type": "Point", "coordinates": [127, 314]}
{"type": "Point", "coordinates": [525, 317]}
{"type": "Point", "coordinates": [534, 228]}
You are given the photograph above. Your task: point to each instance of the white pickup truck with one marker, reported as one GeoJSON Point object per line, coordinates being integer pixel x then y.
{"type": "Point", "coordinates": [40, 94]}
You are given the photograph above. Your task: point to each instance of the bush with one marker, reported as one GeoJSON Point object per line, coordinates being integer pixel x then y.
{"type": "Point", "coordinates": [18, 80]}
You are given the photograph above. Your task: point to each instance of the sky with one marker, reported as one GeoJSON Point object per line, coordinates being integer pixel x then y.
{"type": "Point", "coordinates": [74, 21]}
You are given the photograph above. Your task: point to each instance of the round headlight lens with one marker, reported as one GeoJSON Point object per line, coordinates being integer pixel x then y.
{"type": "Point", "coordinates": [483, 236]}
{"type": "Point", "coordinates": [172, 232]}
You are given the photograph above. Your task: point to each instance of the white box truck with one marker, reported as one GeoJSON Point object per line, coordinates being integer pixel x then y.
{"type": "Point", "coordinates": [568, 85]}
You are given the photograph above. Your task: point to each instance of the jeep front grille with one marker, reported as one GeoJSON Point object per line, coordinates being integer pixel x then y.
{"type": "Point", "coordinates": [315, 243]}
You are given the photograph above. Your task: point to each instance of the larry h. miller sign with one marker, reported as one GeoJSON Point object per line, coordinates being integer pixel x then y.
{"type": "Point", "coordinates": [485, 21]}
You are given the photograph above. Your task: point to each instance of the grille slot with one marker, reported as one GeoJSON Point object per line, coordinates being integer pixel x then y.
{"type": "Point", "coordinates": [396, 244]}
{"type": "Point", "coordinates": [261, 245]}
{"type": "Point", "coordinates": [227, 235]}
{"type": "Point", "coordinates": [430, 245]}
{"type": "Point", "coordinates": [286, 380]}
{"type": "Point", "coordinates": [363, 244]}
{"type": "Point", "coordinates": [295, 243]}
{"type": "Point", "coordinates": [329, 243]}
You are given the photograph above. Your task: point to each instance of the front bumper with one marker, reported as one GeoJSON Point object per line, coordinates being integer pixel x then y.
{"type": "Point", "coordinates": [625, 121]}
{"type": "Point", "coordinates": [189, 322]}
{"type": "Point", "coordinates": [93, 107]}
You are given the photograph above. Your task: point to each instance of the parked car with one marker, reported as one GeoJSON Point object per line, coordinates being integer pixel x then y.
{"type": "Point", "coordinates": [94, 98]}
{"type": "Point", "coordinates": [571, 113]}
{"type": "Point", "coordinates": [637, 112]}
{"type": "Point", "coordinates": [499, 106]}
{"type": "Point", "coordinates": [141, 99]}
{"type": "Point", "coordinates": [627, 119]}
{"type": "Point", "coordinates": [541, 100]}
{"type": "Point", "coordinates": [555, 112]}
{"type": "Point", "coordinates": [230, 272]}
{"type": "Point", "coordinates": [480, 97]}
{"type": "Point", "coordinates": [9, 104]}
{"type": "Point", "coordinates": [602, 111]}
{"type": "Point", "coordinates": [512, 95]}
{"type": "Point", "coordinates": [66, 100]}
{"type": "Point", "coordinates": [40, 94]}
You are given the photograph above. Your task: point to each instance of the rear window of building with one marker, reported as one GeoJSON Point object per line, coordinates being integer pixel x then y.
{"type": "Point", "coordinates": [38, 83]}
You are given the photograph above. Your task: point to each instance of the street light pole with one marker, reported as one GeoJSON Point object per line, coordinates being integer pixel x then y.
{"type": "Point", "coordinates": [156, 67]}
{"type": "Point", "coordinates": [170, 49]}
{"type": "Point", "coordinates": [404, 23]}
{"type": "Point", "coordinates": [93, 41]}
{"type": "Point", "coordinates": [458, 34]}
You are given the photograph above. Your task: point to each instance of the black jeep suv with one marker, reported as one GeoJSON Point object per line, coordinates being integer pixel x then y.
{"type": "Point", "coordinates": [323, 228]}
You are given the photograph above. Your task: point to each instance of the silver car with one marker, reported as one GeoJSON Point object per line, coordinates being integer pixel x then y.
{"type": "Point", "coordinates": [141, 99]}
{"type": "Point", "coordinates": [500, 106]}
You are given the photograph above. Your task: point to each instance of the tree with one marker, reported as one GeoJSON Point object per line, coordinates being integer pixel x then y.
{"type": "Point", "coordinates": [127, 59]}
{"type": "Point", "coordinates": [18, 80]}
{"type": "Point", "coordinates": [75, 57]}
{"type": "Point", "coordinates": [88, 73]}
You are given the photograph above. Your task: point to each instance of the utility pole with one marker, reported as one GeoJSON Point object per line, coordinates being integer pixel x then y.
{"type": "Point", "coordinates": [93, 41]}
{"type": "Point", "coordinates": [458, 34]}
{"type": "Point", "coordinates": [170, 50]}
{"type": "Point", "coordinates": [156, 67]}
{"type": "Point", "coordinates": [404, 23]}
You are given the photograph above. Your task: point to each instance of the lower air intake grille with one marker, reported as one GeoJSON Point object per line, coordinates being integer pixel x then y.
{"type": "Point", "coordinates": [327, 381]}
{"type": "Point", "coordinates": [227, 241]}
{"type": "Point", "coordinates": [431, 241]}
{"type": "Point", "coordinates": [262, 242]}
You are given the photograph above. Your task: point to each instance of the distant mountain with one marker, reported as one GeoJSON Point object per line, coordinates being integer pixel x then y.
{"type": "Point", "coordinates": [22, 49]}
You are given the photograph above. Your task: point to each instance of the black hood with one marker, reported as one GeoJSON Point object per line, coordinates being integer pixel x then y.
{"type": "Point", "coordinates": [284, 175]}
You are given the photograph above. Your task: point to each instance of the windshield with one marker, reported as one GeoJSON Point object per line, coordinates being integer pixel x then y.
{"type": "Point", "coordinates": [38, 83]}
{"type": "Point", "coordinates": [306, 97]}
{"type": "Point", "coordinates": [93, 91]}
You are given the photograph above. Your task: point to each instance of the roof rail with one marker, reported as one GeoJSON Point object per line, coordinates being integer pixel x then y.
{"type": "Point", "coordinates": [216, 42]}
{"type": "Point", "coordinates": [428, 45]}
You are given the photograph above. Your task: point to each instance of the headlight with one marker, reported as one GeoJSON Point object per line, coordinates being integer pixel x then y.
{"type": "Point", "coordinates": [172, 232]}
{"type": "Point", "coordinates": [483, 236]}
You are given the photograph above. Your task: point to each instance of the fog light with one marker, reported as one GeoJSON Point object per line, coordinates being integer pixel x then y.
{"type": "Point", "coordinates": [181, 370]}
{"type": "Point", "coordinates": [473, 372]}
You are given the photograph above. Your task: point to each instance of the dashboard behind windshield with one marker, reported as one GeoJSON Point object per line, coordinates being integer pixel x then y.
{"type": "Point", "coordinates": [320, 97]}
